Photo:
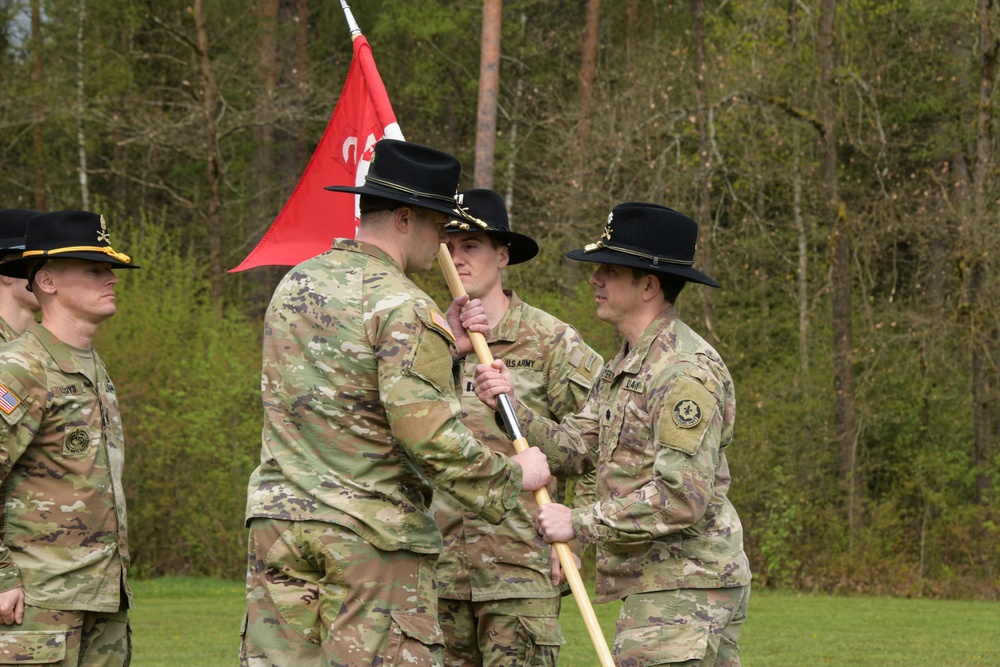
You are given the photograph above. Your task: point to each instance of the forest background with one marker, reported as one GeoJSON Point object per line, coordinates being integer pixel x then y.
{"type": "Point", "coordinates": [841, 158]}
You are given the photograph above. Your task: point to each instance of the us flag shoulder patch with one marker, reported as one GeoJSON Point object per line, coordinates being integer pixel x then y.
{"type": "Point", "coordinates": [442, 324]}
{"type": "Point", "coordinates": [8, 400]}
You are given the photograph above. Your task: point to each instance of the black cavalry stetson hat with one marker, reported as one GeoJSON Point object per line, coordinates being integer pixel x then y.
{"type": "Point", "coordinates": [411, 174]}
{"type": "Point", "coordinates": [485, 211]}
{"type": "Point", "coordinates": [648, 237]}
{"type": "Point", "coordinates": [12, 224]}
{"type": "Point", "coordinates": [69, 235]}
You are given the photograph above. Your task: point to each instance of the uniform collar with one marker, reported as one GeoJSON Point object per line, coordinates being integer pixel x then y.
{"type": "Point", "coordinates": [508, 329]}
{"type": "Point", "coordinates": [634, 357]}
{"type": "Point", "coordinates": [365, 248]}
{"type": "Point", "coordinates": [7, 333]}
{"type": "Point", "coordinates": [58, 350]}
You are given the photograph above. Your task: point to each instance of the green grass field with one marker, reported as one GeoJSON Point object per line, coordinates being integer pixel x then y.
{"type": "Point", "coordinates": [195, 623]}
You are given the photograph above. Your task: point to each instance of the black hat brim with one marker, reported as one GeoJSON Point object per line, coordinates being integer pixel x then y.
{"type": "Point", "coordinates": [520, 248]}
{"type": "Point", "coordinates": [18, 268]}
{"type": "Point", "coordinates": [607, 256]}
{"type": "Point", "coordinates": [404, 198]}
{"type": "Point", "coordinates": [11, 245]}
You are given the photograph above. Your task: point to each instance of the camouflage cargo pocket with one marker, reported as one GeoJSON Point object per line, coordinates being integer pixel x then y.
{"type": "Point", "coordinates": [414, 639]}
{"type": "Point", "coordinates": [660, 645]}
{"type": "Point", "coordinates": [541, 640]}
{"type": "Point", "coordinates": [39, 647]}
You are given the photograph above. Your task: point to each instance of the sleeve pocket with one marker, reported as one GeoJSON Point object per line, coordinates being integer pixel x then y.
{"type": "Point", "coordinates": [687, 412]}
{"type": "Point", "coordinates": [432, 360]}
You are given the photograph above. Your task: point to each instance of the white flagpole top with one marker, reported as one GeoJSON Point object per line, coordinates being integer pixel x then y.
{"type": "Point", "coordinates": [351, 23]}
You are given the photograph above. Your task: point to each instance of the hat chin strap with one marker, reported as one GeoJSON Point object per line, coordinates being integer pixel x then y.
{"type": "Point", "coordinates": [106, 250]}
{"type": "Point", "coordinates": [656, 260]}
{"type": "Point", "coordinates": [415, 194]}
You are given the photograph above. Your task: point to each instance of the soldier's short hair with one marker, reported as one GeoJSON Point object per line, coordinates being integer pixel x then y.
{"type": "Point", "coordinates": [671, 285]}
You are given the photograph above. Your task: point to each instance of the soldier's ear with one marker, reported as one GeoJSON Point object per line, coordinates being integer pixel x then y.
{"type": "Point", "coordinates": [504, 258]}
{"type": "Point", "coordinates": [404, 218]}
{"type": "Point", "coordinates": [650, 286]}
{"type": "Point", "coordinates": [43, 282]}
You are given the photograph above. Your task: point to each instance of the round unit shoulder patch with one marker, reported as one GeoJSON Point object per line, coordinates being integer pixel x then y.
{"type": "Point", "coordinates": [687, 413]}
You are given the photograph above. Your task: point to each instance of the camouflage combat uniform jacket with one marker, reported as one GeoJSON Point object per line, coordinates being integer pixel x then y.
{"type": "Point", "coordinates": [360, 409]}
{"type": "Point", "coordinates": [657, 424]}
{"type": "Point", "coordinates": [7, 334]}
{"type": "Point", "coordinates": [64, 536]}
{"type": "Point", "coordinates": [553, 371]}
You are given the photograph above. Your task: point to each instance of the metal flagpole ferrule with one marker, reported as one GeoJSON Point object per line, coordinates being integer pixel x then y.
{"type": "Point", "coordinates": [509, 420]}
{"type": "Point", "coordinates": [351, 23]}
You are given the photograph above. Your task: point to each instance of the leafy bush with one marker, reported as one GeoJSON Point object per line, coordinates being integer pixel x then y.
{"type": "Point", "coordinates": [188, 381]}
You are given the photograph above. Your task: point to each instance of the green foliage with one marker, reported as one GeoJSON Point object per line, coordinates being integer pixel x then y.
{"type": "Point", "coordinates": [907, 82]}
{"type": "Point", "coordinates": [188, 383]}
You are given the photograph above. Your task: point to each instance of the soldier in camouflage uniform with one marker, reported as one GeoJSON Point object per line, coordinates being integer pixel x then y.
{"type": "Point", "coordinates": [496, 603]}
{"type": "Point", "coordinates": [656, 426]}
{"type": "Point", "coordinates": [64, 596]}
{"type": "Point", "coordinates": [17, 305]}
{"type": "Point", "coordinates": [361, 415]}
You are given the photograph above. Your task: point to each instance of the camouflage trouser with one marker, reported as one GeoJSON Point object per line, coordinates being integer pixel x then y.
{"type": "Point", "coordinates": [67, 639]}
{"type": "Point", "coordinates": [318, 594]}
{"type": "Point", "coordinates": [694, 627]}
{"type": "Point", "coordinates": [520, 632]}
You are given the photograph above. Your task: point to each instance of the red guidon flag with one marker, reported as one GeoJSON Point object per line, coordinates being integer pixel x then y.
{"type": "Point", "coordinates": [312, 217]}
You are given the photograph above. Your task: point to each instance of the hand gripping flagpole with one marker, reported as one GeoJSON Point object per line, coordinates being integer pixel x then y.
{"type": "Point", "coordinates": [506, 409]}
{"type": "Point", "coordinates": [541, 495]}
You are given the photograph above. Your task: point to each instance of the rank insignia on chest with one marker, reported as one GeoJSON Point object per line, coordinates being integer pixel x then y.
{"type": "Point", "coordinates": [8, 400]}
{"type": "Point", "coordinates": [687, 413]}
{"type": "Point", "coordinates": [607, 375]}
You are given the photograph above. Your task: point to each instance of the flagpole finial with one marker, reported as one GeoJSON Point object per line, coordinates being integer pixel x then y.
{"type": "Point", "coordinates": [351, 23]}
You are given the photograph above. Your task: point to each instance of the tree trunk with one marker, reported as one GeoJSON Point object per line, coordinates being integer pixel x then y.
{"type": "Point", "coordinates": [81, 137]}
{"type": "Point", "coordinates": [840, 274]}
{"type": "Point", "coordinates": [302, 144]}
{"type": "Point", "coordinates": [802, 277]}
{"type": "Point", "coordinates": [588, 68]}
{"type": "Point", "coordinates": [631, 27]}
{"type": "Point", "coordinates": [704, 166]}
{"type": "Point", "coordinates": [984, 332]}
{"type": "Point", "coordinates": [213, 160]}
{"type": "Point", "coordinates": [38, 129]}
{"type": "Point", "coordinates": [489, 85]}
{"type": "Point", "coordinates": [267, 12]}
{"type": "Point", "coordinates": [515, 115]}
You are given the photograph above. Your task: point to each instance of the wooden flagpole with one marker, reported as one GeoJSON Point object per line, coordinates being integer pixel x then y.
{"type": "Point", "coordinates": [520, 442]}
{"type": "Point", "coordinates": [541, 495]}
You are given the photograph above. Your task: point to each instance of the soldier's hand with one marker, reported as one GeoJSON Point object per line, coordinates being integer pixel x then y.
{"type": "Point", "coordinates": [491, 381]}
{"type": "Point", "coordinates": [534, 468]}
{"type": "Point", "coordinates": [557, 574]}
{"type": "Point", "coordinates": [12, 606]}
{"type": "Point", "coordinates": [554, 522]}
{"type": "Point", "coordinates": [467, 315]}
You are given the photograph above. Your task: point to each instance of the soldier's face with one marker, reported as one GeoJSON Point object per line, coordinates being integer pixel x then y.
{"type": "Point", "coordinates": [83, 289]}
{"type": "Point", "coordinates": [617, 294]}
{"type": "Point", "coordinates": [427, 236]}
{"type": "Point", "coordinates": [477, 261]}
{"type": "Point", "coordinates": [24, 298]}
